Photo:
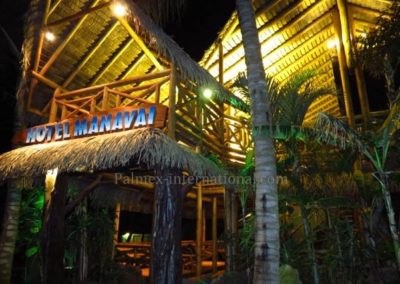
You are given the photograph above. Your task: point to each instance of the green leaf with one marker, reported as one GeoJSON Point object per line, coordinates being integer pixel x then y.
{"type": "Point", "coordinates": [31, 251]}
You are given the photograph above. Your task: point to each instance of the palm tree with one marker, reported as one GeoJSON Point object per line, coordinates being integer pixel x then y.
{"type": "Point", "coordinates": [266, 266]}
{"type": "Point", "coordinates": [375, 146]}
{"type": "Point", "coordinates": [290, 103]}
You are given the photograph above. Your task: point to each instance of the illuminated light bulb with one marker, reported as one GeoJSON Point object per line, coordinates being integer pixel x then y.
{"type": "Point", "coordinates": [119, 9]}
{"type": "Point", "coordinates": [332, 43]}
{"type": "Point", "coordinates": [363, 35]}
{"type": "Point", "coordinates": [50, 36]}
{"type": "Point", "coordinates": [207, 93]}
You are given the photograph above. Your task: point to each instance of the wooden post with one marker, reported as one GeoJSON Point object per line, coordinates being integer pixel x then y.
{"type": "Point", "coordinates": [54, 107]}
{"type": "Point", "coordinates": [172, 103]}
{"type": "Point", "coordinates": [228, 231]}
{"type": "Point", "coordinates": [221, 104]}
{"type": "Point", "coordinates": [105, 99]}
{"type": "Point", "coordinates": [234, 219]}
{"type": "Point", "coordinates": [345, 32]}
{"type": "Point", "coordinates": [53, 236]}
{"type": "Point", "coordinates": [214, 234]}
{"type": "Point", "coordinates": [166, 258]}
{"type": "Point", "coordinates": [116, 222]}
{"type": "Point", "coordinates": [344, 75]}
{"type": "Point", "coordinates": [360, 79]}
{"type": "Point", "coordinates": [199, 217]}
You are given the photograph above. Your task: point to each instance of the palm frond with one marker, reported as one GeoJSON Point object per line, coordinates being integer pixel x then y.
{"type": "Point", "coordinates": [338, 133]}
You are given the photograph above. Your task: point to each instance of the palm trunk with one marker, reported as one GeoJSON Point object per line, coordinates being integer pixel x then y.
{"type": "Point", "coordinates": [310, 245]}
{"type": "Point", "coordinates": [166, 257]}
{"type": "Point", "coordinates": [9, 232]}
{"type": "Point", "coordinates": [391, 219]}
{"type": "Point", "coordinates": [267, 217]}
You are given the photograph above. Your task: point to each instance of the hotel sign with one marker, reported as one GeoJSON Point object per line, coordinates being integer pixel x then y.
{"type": "Point", "coordinates": [113, 120]}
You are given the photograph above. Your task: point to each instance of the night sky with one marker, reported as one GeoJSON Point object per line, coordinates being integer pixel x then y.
{"type": "Point", "coordinates": [196, 30]}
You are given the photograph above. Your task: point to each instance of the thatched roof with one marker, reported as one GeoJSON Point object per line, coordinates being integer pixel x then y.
{"type": "Point", "coordinates": [97, 49]}
{"type": "Point", "coordinates": [148, 147]}
{"type": "Point", "coordinates": [294, 37]}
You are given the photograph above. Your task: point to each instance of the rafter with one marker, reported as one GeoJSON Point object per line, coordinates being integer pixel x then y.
{"type": "Point", "coordinates": [278, 33]}
{"type": "Point", "coordinates": [67, 39]}
{"type": "Point", "coordinates": [114, 58]}
{"type": "Point", "coordinates": [78, 15]}
{"type": "Point", "coordinates": [141, 44]}
{"type": "Point", "coordinates": [90, 54]}
{"type": "Point", "coordinates": [298, 37]}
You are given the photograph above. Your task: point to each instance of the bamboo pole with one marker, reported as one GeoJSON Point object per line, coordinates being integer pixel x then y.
{"type": "Point", "coordinates": [345, 31]}
{"type": "Point", "coordinates": [199, 217]}
{"type": "Point", "coordinates": [214, 234]}
{"type": "Point", "coordinates": [344, 75]}
{"type": "Point", "coordinates": [116, 222]}
{"type": "Point", "coordinates": [228, 230]}
{"type": "Point", "coordinates": [172, 103]}
{"type": "Point", "coordinates": [360, 80]}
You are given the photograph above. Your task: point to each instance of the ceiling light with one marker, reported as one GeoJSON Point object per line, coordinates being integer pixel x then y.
{"type": "Point", "coordinates": [332, 43]}
{"type": "Point", "coordinates": [49, 36]}
{"type": "Point", "coordinates": [119, 9]}
{"type": "Point", "coordinates": [207, 93]}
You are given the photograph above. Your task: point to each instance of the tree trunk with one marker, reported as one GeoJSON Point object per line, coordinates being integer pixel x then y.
{"type": "Point", "coordinates": [166, 258]}
{"type": "Point", "coordinates": [310, 245]}
{"type": "Point", "coordinates": [391, 217]}
{"type": "Point", "coordinates": [267, 217]}
{"type": "Point", "coordinates": [10, 231]}
{"type": "Point", "coordinates": [53, 234]}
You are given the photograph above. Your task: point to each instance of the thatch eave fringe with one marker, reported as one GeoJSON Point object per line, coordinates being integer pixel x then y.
{"type": "Point", "coordinates": [148, 147]}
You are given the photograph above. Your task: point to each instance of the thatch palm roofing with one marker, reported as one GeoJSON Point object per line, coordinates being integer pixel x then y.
{"type": "Point", "coordinates": [294, 36]}
{"type": "Point", "coordinates": [97, 48]}
{"type": "Point", "coordinates": [145, 147]}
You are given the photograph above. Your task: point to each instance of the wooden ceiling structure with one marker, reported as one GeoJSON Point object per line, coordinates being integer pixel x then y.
{"type": "Point", "coordinates": [299, 35]}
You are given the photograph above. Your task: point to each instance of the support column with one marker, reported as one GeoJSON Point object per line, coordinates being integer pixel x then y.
{"type": "Point", "coordinates": [53, 236]}
{"type": "Point", "coordinates": [234, 218]}
{"type": "Point", "coordinates": [116, 222]}
{"type": "Point", "coordinates": [344, 73]}
{"type": "Point", "coordinates": [228, 231]}
{"type": "Point", "coordinates": [166, 257]}
{"type": "Point", "coordinates": [221, 104]}
{"type": "Point", "coordinates": [214, 234]}
{"type": "Point", "coordinates": [172, 103]}
{"type": "Point", "coordinates": [199, 217]}
{"type": "Point", "coordinates": [9, 231]}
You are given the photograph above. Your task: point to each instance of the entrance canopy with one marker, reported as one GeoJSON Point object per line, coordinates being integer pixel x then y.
{"type": "Point", "coordinates": [147, 146]}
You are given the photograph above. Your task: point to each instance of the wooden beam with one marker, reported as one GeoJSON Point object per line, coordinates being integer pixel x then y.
{"type": "Point", "coordinates": [344, 75]}
{"type": "Point", "coordinates": [47, 81]}
{"type": "Point", "coordinates": [90, 54]}
{"type": "Point", "coordinates": [172, 103]}
{"type": "Point", "coordinates": [228, 231]}
{"type": "Point", "coordinates": [115, 84]}
{"type": "Point", "coordinates": [345, 28]}
{"type": "Point", "coordinates": [65, 42]}
{"type": "Point", "coordinates": [360, 80]}
{"type": "Point", "coordinates": [54, 7]}
{"type": "Point", "coordinates": [78, 15]}
{"type": "Point", "coordinates": [214, 234]}
{"type": "Point", "coordinates": [141, 44]}
{"type": "Point", "coordinates": [104, 69]}
{"type": "Point", "coordinates": [199, 243]}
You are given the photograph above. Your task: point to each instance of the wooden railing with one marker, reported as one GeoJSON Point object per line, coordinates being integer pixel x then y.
{"type": "Point", "coordinates": [132, 91]}
{"type": "Point", "coordinates": [214, 127]}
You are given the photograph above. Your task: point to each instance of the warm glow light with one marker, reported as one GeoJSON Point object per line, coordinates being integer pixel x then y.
{"type": "Point", "coordinates": [207, 93]}
{"type": "Point", "coordinates": [332, 43]}
{"type": "Point", "coordinates": [119, 9]}
{"type": "Point", "coordinates": [49, 36]}
{"type": "Point", "coordinates": [363, 35]}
